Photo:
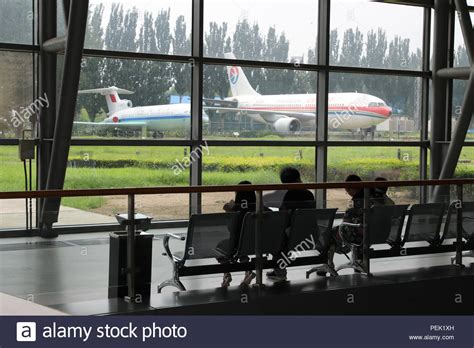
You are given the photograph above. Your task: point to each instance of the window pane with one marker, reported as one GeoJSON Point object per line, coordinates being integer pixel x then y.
{"type": "Point", "coordinates": [159, 106]}
{"type": "Point", "coordinates": [17, 107]}
{"type": "Point", "coordinates": [17, 21]}
{"type": "Point", "coordinates": [259, 165]}
{"type": "Point", "coordinates": [460, 53]}
{"type": "Point", "coordinates": [262, 30]}
{"type": "Point", "coordinates": [374, 107]}
{"type": "Point", "coordinates": [12, 212]}
{"type": "Point", "coordinates": [392, 163]}
{"type": "Point", "coordinates": [465, 169]}
{"type": "Point", "coordinates": [459, 90]}
{"type": "Point", "coordinates": [120, 167]}
{"type": "Point", "coordinates": [147, 26]}
{"type": "Point", "coordinates": [259, 104]}
{"type": "Point", "coordinates": [368, 34]}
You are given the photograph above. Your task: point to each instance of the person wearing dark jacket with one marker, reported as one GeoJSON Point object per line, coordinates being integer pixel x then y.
{"type": "Point", "coordinates": [244, 202]}
{"type": "Point", "coordinates": [292, 200]}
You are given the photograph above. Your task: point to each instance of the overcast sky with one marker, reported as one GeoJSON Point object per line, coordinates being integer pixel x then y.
{"type": "Point", "coordinates": [297, 18]}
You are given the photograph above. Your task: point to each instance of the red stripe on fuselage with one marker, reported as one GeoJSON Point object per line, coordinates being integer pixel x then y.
{"type": "Point", "coordinates": [379, 110]}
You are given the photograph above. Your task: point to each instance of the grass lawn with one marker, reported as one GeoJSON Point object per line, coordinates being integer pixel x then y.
{"type": "Point", "coordinates": [153, 166]}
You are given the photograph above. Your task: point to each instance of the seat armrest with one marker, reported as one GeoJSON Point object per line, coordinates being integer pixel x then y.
{"type": "Point", "coordinates": [350, 224]}
{"type": "Point", "coordinates": [166, 245]}
{"type": "Point", "coordinates": [174, 236]}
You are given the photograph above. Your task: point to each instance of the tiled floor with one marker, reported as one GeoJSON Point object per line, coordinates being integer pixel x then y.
{"type": "Point", "coordinates": [74, 268]}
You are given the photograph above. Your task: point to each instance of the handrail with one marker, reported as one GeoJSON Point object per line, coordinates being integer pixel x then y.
{"type": "Point", "coordinates": [229, 188]}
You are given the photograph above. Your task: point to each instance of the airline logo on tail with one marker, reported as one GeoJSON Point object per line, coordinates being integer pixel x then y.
{"type": "Point", "coordinates": [234, 75]}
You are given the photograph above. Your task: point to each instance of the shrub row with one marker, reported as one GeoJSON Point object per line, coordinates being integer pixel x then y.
{"type": "Point", "coordinates": [367, 168]}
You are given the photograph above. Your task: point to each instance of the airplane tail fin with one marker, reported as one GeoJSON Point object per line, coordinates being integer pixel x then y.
{"type": "Point", "coordinates": [111, 94]}
{"type": "Point", "coordinates": [239, 84]}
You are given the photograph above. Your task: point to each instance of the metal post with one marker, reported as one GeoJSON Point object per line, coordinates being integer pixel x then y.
{"type": "Point", "coordinates": [65, 113]}
{"type": "Point", "coordinates": [258, 240]}
{"type": "Point", "coordinates": [196, 103]}
{"type": "Point", "coordinates": [459, 244]}
{"type": "Point", "coordinates": [47, 86]}
{"type": "Point", "coordinates": [366, 237]}
{"type": "Point", "coordinates": [455, 147]}
{"type": "Point", "coordinates": [322, 100]}
{"type": "Point", "coordinates": [457, 142]}
{"type": "Point", "coordinates": [425, 103]}
{"type": "Point", "coordinates": [131, 249]}
{"type": "Point", "coordinates": [440, 86]}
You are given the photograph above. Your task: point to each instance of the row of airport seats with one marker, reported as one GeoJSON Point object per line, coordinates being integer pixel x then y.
{"type": "Point", "coordinates": [416, 229]}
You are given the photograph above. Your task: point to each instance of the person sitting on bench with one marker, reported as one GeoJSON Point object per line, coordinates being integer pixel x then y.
{"type": "Point", "coordinates": [345, 235]}
{"type": "Point", "coordinates": [380, 194]}
{"type": "Point", "coordinates": [244, 202]}
{"type": "Point", "coordinates": [353, 215]}
{"type": "Point", "coordinates": [293, 199]}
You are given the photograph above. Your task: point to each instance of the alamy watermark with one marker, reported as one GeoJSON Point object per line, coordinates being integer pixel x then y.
{"type": "Point", "coordinates": [185, 162]}
{"type": "Point", "coordinates": [287, 258]}
{"type": "Point", "coordinates": [24, 114]}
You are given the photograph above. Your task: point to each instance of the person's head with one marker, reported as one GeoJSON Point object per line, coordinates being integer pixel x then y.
{"type": "Point", "coordinates": [246, 199]}
{"type": "Point", "coordinates": [381, 190]}
{"type": "Point", "coordinates": [353, 178]}
{"type": "Point", "coordinates": [290, 175]}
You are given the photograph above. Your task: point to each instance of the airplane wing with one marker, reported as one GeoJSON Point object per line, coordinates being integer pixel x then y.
{"type": "Point", "coordinates": [268, 116]}
{"type": "Point", "coordinates": [219, 103]}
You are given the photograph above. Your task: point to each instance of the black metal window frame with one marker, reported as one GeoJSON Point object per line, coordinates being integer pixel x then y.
{"type": "Point", "coordinates": [321, 144]}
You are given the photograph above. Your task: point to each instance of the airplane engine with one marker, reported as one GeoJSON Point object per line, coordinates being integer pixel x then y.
{"type": "Point", "coordinates": [127, 103]}
{"type": "Point", "coordinates": [287, 124]}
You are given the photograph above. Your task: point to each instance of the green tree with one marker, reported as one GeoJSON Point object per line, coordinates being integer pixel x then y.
{"type": "Point", "coordinates": [154, 77]}
{"type": "Point", "coordinates": [276, 50]}
{"type": "Point", "coordinates": [216, 43]}
{"type": "Point", "coordinates": [181, 46]}
{"type": "Point", "coordinates": [16, 18]}
{"type": "Point", "coordinates": [350, 55]}
{"type": "Point", "coordinates": [248, 44]}
{"type": "Point", "coordinates": [92, 68]}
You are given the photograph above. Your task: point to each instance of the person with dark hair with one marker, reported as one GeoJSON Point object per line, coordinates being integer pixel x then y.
{"type": "Point", "coordinates": [380, 196]}
{"type": "Point", "coordinates": [293, 199]}
{"type": "Point", "coordinates": [244, 202]}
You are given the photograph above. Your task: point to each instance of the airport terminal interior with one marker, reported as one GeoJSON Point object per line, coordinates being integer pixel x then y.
{"type": "Point", "coordinates": [236, 157]}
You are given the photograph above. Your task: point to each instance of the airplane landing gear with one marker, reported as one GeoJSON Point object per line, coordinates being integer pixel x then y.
{"type": "Point", "coordinates": [158, 135]}
{"type": "Point", "coordinates": [367, 132]}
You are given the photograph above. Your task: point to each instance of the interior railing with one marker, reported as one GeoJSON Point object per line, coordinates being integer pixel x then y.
{"type": "Point", "coordinates": [259, 189]}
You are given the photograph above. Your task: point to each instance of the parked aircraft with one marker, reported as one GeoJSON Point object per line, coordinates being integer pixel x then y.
{"type": "Point", "coordinates": [155, 118]}
{"type": "Point", "coordinates": [292, 112]}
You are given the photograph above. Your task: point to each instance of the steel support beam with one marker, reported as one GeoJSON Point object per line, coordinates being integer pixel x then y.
{"type": "Point", "coordinates": [459, 73]}
{"type": "Point", "coordinates": [425, 3]}
{"type": "Point", "coordinates": [47, 86]}
{"type": "Point", "coordinates": [440, 86]}
{"type": "Point", "coordinates": [65, 115]}
{"type": "Point", "coordinates": [457, 142]}
{"type": "Point", "coordinates": [466, 28]}
{"type": "Point", "coordinates": [455, 147]}
{"type": "Point", "coordinates": [196, 104]}
{"type": "Point", "coordinates": [425, 102]}
{"type": "Point", "coordinates": [322, 100]}
{"type": "Point", "coordinates": [55, 45]}
{"type": "Point", "coordinates": [66, 9]}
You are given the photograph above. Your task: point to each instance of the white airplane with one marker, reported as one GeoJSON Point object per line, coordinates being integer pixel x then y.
{"type": "Point", "coordinates": [154, 118]}
{"type": "Point", "coordinates": [292, 112]}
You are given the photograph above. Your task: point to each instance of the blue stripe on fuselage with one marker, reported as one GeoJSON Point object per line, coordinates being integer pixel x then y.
{"type": "Point", "coordinates": [152, 118]}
